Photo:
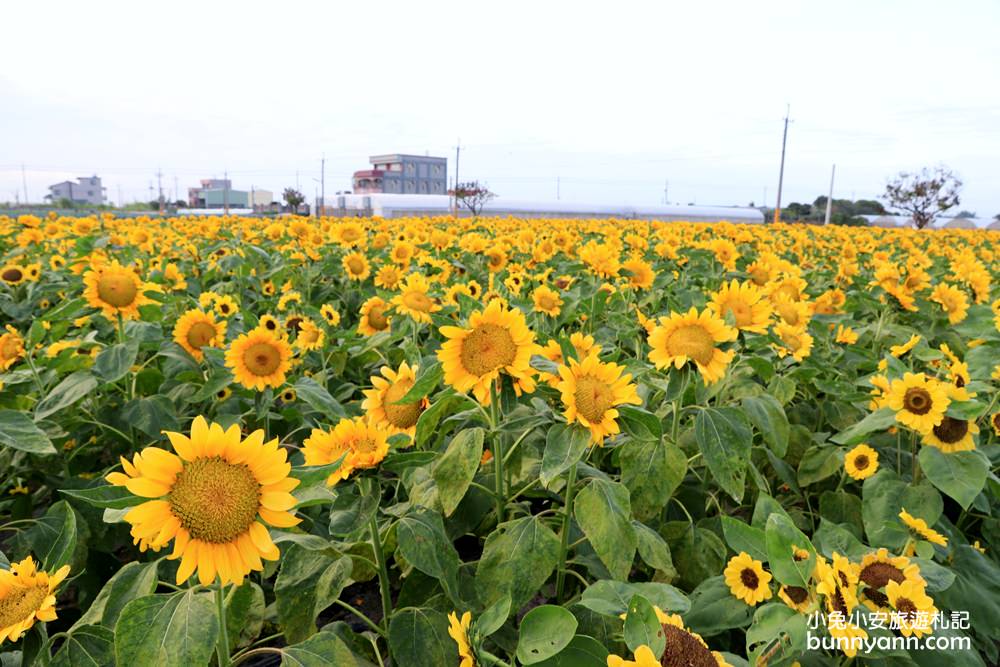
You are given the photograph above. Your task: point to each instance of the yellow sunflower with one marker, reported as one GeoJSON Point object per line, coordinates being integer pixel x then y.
{"type": "Point", "coordinates": [915, 609]}
{"type": "Point", "coordinates": [877, 569]}
{"type": "Point", "coordinates": [310, 336]}
{"type": "Point", "coordinates": [381, 405]}
{"type": "Point", "coordinates": [680, 338]}
{"type": "Point", "coordinates": [952, 435]}
{"type": "Point", "coordinates": [12, 274]}
{"type": "Point", "coordinates": [798, 598]}
{"type": "Point", "coordinates": [459, 631]}
{"type": "Point", "coordinates": [330, 314]}
{"type": "Point", "coordinates": [27, 594]}
{"type": "Point", "coordinates": [374, 317]}
{"type": "Point", "coordinates": [683, 647]}
{"type": "Point", "coordinates": [849, 637]}
{"type": "Point", "coordinates": [547, 301]}
{"type": "Point", "coordinates": [362, 444]}
{"type": "Point", "coordinates": [952, 300]}
{"type": "Point", "coordinates": [790, 311]}
{"type": "Point", "coordinates": [196, 329]}
{"type": "Point", "coordinates": [640, 273]}
{"type": "Point", "coordinates": [226, 306]}
{"type": "Point", "coordinates": [919, 401]}
{"type": "Point", "coordinates": [995, 423]}
{"type": "Point", "coordinates": [899, 350]}
{"type": "Point", "coordinates": [590, 391]}
{"type": "Point", "coordinates": [116, 290]}
{"type": "Point", "coordinates": [920, 528]}
{"type": "Point", "coordinates": [414, 300]}
{"type": "Point", "coordinates": [748, 305]}
{"type": "Point", "coordinates": [11, 348]}
{"type": "Point", "coordinates": [846, 335]}
{"type": "Point", "coordinates": [356, 266]}
{"type": "Point", "coordinates": [259, 359]}
{"type": "Point", "coordinates": [388, 277]}
{"type": "Point", "coordinates": [861, 462]}
{"type": "Point", "coordinates": [211, 498]}
{"type": "Point", "coordinates": [496, 341]}
{"type": "Point", "coordinates": [795, 341]}
{"type": "Point", "coordinates": [269, 323]}
{"type": "Point", "coordinates": [747, 579]}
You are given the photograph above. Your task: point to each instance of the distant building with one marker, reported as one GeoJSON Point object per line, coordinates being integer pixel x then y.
{"type": "Point", "coordinates": [403, 174]}
{"type": "Point", "coordinates": [86, 190]}
{"type": "Point", "coordinates": [261, 198]}
{"type": "Point", "coordinates": [217, 193]}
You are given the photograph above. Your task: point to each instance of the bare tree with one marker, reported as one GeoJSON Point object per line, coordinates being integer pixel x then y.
{"type": "Point", "coordinates": [925, 194]}
{"type": "Point", "coordinates": [472, 196]}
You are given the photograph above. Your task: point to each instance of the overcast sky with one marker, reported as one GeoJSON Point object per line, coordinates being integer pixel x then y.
{"type": "Point", "coordinates": [610, 100]}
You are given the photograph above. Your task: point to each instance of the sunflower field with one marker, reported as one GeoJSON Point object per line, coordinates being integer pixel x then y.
{"type": "Point", "coordinates": [441, 442]}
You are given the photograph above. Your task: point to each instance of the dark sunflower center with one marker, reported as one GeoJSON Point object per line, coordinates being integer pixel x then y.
{"type": "Point", "coordinates": [951, 430]}
{"type": "Point", "coordinates": [917, 400]}
{"type": "Point", "coordinates": [838, 602]}
{"type": "Point", "coordinates": [488, 348]}
{"type": "Point", "coordinates": [878, 597]}
{"type": "Point", "coordinates": [796, 594]}
{"type": "Point", "coordinates": [877, 575]}
{"type": "Point", "coordinates": [216, 501]}
{"type": "Point", "coordinates": [861, 461]}
{"type": "Point", "coordinates": [293, 324]}
{"type": "Point", "coordinates": [593, 398]}
{"type": "Point", "coordinates": [749, 578]}
{"type": "Point", "coordinates": [996, 421]}
{"type": "Point", "coordinates": [403, 415]}
{"type": "Point", "coordinates": [12, 275]}
{"type": "Point", "coordinates": [906, 607]}
{"type": "Point", "coordinates": [20, 603]}
{"type": "Point", "coordinates": [116, 290]}
{"type": "Point", "coordinates": [262, 359]}
{"type": "Point", "coordinates": [684, 650]}
{"type": "Point", "coordinates": [200, 334]}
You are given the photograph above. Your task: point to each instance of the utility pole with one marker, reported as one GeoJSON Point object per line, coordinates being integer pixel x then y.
{"type": "Point", "coordinates": [150, 193]}
{"type": "Point", "coordinates": [159, 185]}
{"type": "Point", "coordinates": [829, 199]}
{"type": "Point", "coordinates": [176, 189]}
{"type": "Point", "coordinates": [24, 184]}
{"type": "Point", "coordinates": [781, 174]}
{"type": "Point", "coordinates": [458, 150]}
{"type": "Point", "coordinates": [322, 179]}
{"type": "Point", "coordinates": [225, 191]}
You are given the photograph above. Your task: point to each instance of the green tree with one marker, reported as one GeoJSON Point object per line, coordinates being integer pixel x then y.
{"type": "Point", "coordinates": [293, 198]}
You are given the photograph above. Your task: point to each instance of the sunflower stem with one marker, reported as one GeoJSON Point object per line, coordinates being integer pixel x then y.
{"type": "Point", "coordinates": [383, 572]}
{"type": "Point", "coordinates": [498, 453]}
{"type": "Point", "coordinates": [564, 544]}
{"type": "Point", "coordinates": [222, 649]}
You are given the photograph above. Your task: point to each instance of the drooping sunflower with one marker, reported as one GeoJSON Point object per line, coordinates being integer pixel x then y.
{"type": "Point", "coordinates": [877, 569]}
{"type": "Point", "coordinates": [259, 359]}
{"type": "Point", "coordinates": [861, 462]}
{"type": "Point", "coordinates": [196, 329]}
{"type": "Point", "coordinates": [374, 317]}
{"type": "Point", "coordinates": [381, 405]}
{"type": "Point", "coordinates": [116, 290]}
{"type": "Point", "coordinates": [915, 609]}
{"type": "Point", "coordinates": [952, 435]}
{"type": "Point", "coordinates": [899, 350]}
{"type": "Point", "coordinates": [211, 498]}
{"type": "Point", "coordinates": [795, 341]}
{"type": "Point", "coordinates": [798, 598]}
{"type": "Point", "coordinates": [684, 648]}
{"type": "Point", "coordinates": [747, 579]}
{"type": "Point", "coordinates": [310, 336]}
{"type": "Point", "coordinates": [27, 594]}
{"type": "Point", "coordinates": [921, 529]}
{"type": "Point", "coordinates": [459, 631]}
{"type": "Point", "coordinates": [356, 266]}
{"type": "Point", "coordinates": [360, 443]}
{"type": "Point", "coordinates": [414, 299]}
{"type": "Point", "coordinates": [11, 347]}
{"type": "Point", "coordinates": [681, 338]}
{"type": "Point", "coordinates": [748, 305]}
{"type": "Point", "coordinates": [590, 391]}
{"type": "Point", "coordinates": [547, 301]}
{"type": "Point", "coordinates": [919, 401]}
{"type": "Point", "coordinates": [497, 340]}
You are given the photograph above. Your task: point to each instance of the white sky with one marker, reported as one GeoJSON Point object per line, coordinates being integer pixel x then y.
{"type": "Point", "coordinates": [612, 98]}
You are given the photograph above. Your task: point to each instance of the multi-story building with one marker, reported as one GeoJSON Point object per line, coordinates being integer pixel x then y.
{"type": "Point", "coordinates": [403, 174]}
{"type": "Point", "coordinates": [86, 190]}
{"type": "Point", "coordinates": [196, 196]}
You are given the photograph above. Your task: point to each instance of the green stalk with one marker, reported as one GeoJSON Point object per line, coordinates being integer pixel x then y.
{"type": "Point", "coordinates": [498, 453]}
{"type": "Point", "coordinates": [222, 650]}
{"type": "Point", "coordinates": [564, 545]}
{"type": "Point", "coordinates": [383, 572]}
